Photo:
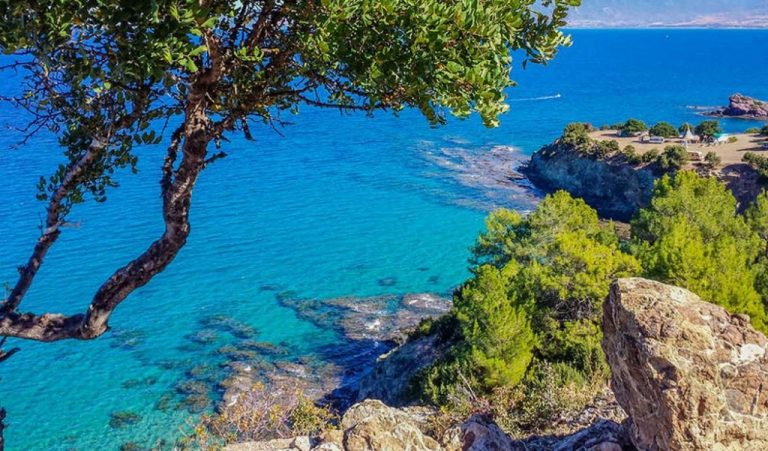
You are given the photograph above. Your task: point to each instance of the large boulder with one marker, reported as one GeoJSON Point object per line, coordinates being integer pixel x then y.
{"type": "Point", "coordinates": [372, 426]}
{"type": "Point", "coordinates": [689, 375]}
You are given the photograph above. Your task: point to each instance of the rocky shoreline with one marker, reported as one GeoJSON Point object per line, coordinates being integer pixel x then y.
{"type": "Point", "coordinates": [742, 107]}
{"type": "Point", "coordinates": [689, 375]}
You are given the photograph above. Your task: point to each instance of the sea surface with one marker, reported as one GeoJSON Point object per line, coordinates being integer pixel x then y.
{"type": "Point", "coordinates": [333, 205]}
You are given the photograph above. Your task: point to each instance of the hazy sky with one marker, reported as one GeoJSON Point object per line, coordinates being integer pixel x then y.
{"type": "Point", "coordinates": [667, 11]}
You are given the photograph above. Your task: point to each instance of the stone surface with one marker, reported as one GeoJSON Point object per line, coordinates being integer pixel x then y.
{"type": "Point", "coordinates": [741, 106]}
{"type": "Point", "coordinates": [689, 375]}
{"type": "Point", "coordinates": [477, 434]}
{"type": "Point", "coordinates": [390, 378]}
{"type": "Point", "coordinates": [371, 425]}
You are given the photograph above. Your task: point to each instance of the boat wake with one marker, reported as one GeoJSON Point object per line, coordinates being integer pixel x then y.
{"type": "Point", "coordinates": [534, 99]}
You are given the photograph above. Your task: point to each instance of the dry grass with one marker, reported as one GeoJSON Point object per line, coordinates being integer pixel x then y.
{"type": "Point", "coordinates": [266, 412]}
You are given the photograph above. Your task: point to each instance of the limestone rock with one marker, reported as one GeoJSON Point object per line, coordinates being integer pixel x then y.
{"type": "Point", "coordinates": [477, 434]}
{"type": "Point", "coordinates": [689, 375]}
{"type": "Point", "coordinates": [373, 426]}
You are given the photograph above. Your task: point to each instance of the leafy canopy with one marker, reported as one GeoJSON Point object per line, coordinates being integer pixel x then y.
{"type": "Point", "coordinates": [692, 236]}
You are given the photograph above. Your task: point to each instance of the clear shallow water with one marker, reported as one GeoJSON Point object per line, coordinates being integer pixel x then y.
{"type": "Point", "coordinates": [339, 206]}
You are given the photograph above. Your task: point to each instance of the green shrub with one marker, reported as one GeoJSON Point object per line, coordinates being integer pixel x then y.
{"type": "Point", "coordinates": [673, 158]}
{"type": "Point", "coordinates": [733, 139]}
{"type": "Point", "coordinates": [764, 130]}
{"type": "Point", "coordinates": [631, 155]}
{"type": "Point", "coordinates": [708, 129]}
{"type": "Point", "coordinates": [758, 162]}
{"type": "Point", "coordinates": [633, 126]}
{"type": "Point", "coordinates": [663, 129]}
{"type": "Point", "coordinates": [712, 159]}
{"type": "Point", "coordinates": [576, 135]}
{"type": "Point", "coordinates": [753, 131]}
{"type": "Point", "coordinates": [603, 149]}
{"type": "Point", "coordinates": [651, 156]}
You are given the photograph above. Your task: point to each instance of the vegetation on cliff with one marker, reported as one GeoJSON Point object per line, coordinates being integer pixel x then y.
{"type": "Point", "coordinates": [527, 325]}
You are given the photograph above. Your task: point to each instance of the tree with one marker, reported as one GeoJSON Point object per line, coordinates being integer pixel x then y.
{"type": "Point", "coordinates": [543, 276]}
{"type": "Point", "coordinates": [708, 129]}
{"type": "Point", "coordinates": [673, 158]}
{"type": "Point", "coordinates": [104, 76]}
{"type": "Point", "coordinates": [633, 126]}
{"type": "Point", "coordinates": [764, 130]}
{"type": "Point", "coordinates": [692, 236]}
{"type": "Point", "coordinates": [576, 135]}
{"type": "Point", "coordinates": [663, 129]}
{"type": "Point", "coordinates": [497, 332]}
{"type": "Point", "coordinates": [712, 159]}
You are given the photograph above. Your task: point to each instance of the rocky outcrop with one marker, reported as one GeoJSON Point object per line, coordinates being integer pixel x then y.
{"type": "Point", "coordinates": [391, 377]}
{"type": "Point", "coordinates": [614, 188]}
{"type": "Point", "coordinates": [741, 106]}
{"type": "Point", "coordinates": [689, 375]}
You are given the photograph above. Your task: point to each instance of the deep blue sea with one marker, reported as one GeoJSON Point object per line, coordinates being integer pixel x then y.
{"type": "Point", "coordinates": [338, 205]}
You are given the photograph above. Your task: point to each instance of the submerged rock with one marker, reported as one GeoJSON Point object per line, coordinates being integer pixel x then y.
{"type": "Point", "coordinates": [689, 375]}
{"type": "Point", "coordinates": [119, 420]}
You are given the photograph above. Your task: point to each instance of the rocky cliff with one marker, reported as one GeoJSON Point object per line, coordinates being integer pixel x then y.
{"type": "Point", "coordinates": [614, 188]}
{"type": "Point", "coordinates": [744, 107]}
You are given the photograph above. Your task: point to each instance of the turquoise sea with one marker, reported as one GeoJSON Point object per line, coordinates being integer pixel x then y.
{"type": "Point", "coordinates": [338, 205]}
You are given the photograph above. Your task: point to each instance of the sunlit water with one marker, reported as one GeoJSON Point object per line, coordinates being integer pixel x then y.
{"type": "Point", "coordinates": [341, 205]}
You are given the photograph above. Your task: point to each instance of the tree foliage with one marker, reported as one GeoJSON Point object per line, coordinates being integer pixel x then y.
{"type": "Point", "coordinates": [708, 129]}
{"type": "Point", "coordinates": [633, 126]}
{"type": "Point", "coordinates": [663, 129]}
{"type": "Point", "coordinates": [692, 236]}
{"type": "Point", "coordinates": [106, 75]}
{"type": "Point", "coordinates": [553, 268]}
{"type": "Point", "coordinates": [673, 158]}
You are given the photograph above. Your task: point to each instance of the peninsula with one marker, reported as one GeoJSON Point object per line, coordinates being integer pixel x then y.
{"type": "Point", "coordinates": [614, 168]}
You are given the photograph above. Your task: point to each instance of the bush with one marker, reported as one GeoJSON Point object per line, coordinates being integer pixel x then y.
{"type": "Point", "coordinates": [651, 156]}
{"type": "Point", "coordinates": [673, 158]}
{"type": "Point", "coordinates": [733, 139]}
{"type": "Point", "coordinates": [576, 135]}
{"type": "Point", "coordinates": [633, 126]}
{"type": "Point", "coordinates": [764, 130]}
{"type": "Point", "coordinates": [631, 155]}
{"type": "Point", "coordinates": [692, 236]}
{"type": "Point", "coordinates": [497, 341]}
{"type": "Point", "coordinates": [663, 129]}
{"type": "Point", "coordinates": [263, 413]}
{"type": "Point", "coordinates": [603, 149]}
{"type": "Point", "coordinates": [708, 129]}
{"type": "Point", "coordinates": [712, 159]}
{"type": "Point", "coordinates": [753, 131]}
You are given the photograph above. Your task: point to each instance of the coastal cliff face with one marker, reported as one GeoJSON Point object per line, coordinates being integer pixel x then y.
{"type": "Point", "coordinates": [614, 188]}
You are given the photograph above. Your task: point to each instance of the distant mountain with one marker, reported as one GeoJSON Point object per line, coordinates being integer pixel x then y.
{"type": "Point", "coordinates": [671, 13]}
